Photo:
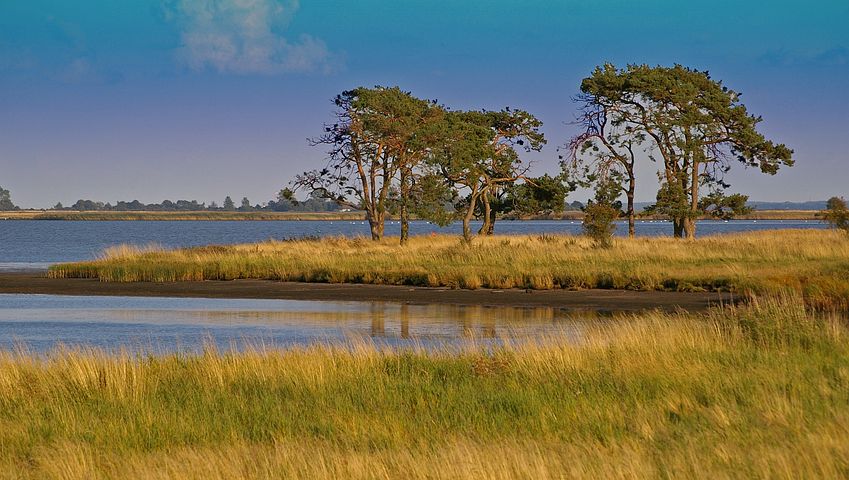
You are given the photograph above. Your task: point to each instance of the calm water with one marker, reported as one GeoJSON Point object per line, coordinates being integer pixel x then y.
{"type": "Point", "coordinates": [41, 323]}
{"type": "Point", "coordinates": [37, 243]}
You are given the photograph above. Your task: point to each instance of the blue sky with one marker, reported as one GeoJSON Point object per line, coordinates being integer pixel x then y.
{"type": "Point", "coordinates": [199, 99]}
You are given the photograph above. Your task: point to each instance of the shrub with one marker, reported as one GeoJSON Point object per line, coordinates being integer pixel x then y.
{"type": "Point", "coordinates": [836, 214]}
{"type": "Point", "coordinates": [598, 223]}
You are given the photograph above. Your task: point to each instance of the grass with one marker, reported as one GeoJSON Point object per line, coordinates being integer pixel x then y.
{"type": "Point", "coordinates": [815, 263]}
{"type": "Point", "coordinates": [755, 391]}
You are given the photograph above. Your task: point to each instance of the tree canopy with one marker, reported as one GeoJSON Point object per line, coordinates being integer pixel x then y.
{"type": "Point", "coordinates": [693, 125]}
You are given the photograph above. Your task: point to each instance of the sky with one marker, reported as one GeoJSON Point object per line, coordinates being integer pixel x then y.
{"type": "Point", "coordinates": [200, 99]}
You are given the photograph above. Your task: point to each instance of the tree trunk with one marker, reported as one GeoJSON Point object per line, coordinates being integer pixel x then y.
{"type": "Point", "coordinates": [375, 222]}
{"type": "Point", "coordinates": [405, 213]}
{"type": "Point", "coordinates": [678, 227]}
{"type": "Point", "coordinates": [405, 225]}
{"type": "Point", "coordinates": [690, 222]}
{"type": "Point", "coordinates": [491, 228]}
{"type": "Point", "coordinates": [632, 186]}
{"type": "Point", "coordinates": [467, 229]}
{"type": "Point", "coordinates": [486, 227]}
{"type": "Point", "coordinates": [470, 212]}
{"type": "Point", "coordinates": [690, 227]}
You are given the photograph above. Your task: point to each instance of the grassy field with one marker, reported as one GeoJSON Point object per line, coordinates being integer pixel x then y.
{"type": "Point", "coordinates": [166, 216]}
{"type": "Point", "coordinates": [760, 391]}
{"type": "Point", "coordinates": [815, 263]}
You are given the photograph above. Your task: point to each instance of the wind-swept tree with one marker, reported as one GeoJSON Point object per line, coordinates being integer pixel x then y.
{"type": "Point", "coordinates": [605, 151]}
{"type": "Point", "coordinates": [478, 156]}
{"type": "Point", "coordinates": [409, 126]}
{"type": "Point", "coordinates": [696, 126]}
{"type": "Point", "coordinates": [379, 137]}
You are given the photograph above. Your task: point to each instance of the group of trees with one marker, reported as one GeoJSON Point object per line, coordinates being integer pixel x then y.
{"type": "Point", "coordinates": [393, 153]}
{"type": "Point", "coordinates": [390, 152]}
{"type": "Point", "coordinates": [280, 204]}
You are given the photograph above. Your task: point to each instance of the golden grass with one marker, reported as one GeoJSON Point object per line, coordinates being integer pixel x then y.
{"type": "Point", "coordinates": [814, 262]}
{"type": "Point", "coordinates": [760, 391]}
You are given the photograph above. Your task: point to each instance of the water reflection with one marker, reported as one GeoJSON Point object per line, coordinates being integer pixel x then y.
{"type": "Point", "coordinates": [41, 322]}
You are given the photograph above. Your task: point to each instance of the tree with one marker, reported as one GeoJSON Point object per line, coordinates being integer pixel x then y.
{"type": "Point", "coordinates": [460, 159]}
{"type": "Point", "coordinates": [228, 204]}
{"type": "Point", "coordinates": [246, 205]}
{"type": "Point", "coordinates": [58, 206]}
{"type": "Point", "coordinates": [6, 200]}
{"type": "Point", "coordinates": [538, 196]}
{"type": "Point", "coordinates": [600, 213]}
{"type": "Point", "coordinates": [409, 126]}
{"type": "Point", "coordinates": [605, 150]}
{"type": "Point", "coordinates": [478, 155]}
{"type": "Point", "coordinates": [836, 214]}
{"type": "Point", "coordinates": [376, 138]}
{"type": "Point", "coordinates": [725, 207]}
{"type": "Point", "coordinates": [697, 126]}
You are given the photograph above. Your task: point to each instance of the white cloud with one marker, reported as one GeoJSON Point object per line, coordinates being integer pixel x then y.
{"type": "Point", "coordinates": [245, 37]}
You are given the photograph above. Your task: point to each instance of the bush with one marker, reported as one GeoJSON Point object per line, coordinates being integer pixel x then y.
{"type": "Point", "coordinates": [598, 223]}
{"type": "Point", "coordinates": [837, 214]}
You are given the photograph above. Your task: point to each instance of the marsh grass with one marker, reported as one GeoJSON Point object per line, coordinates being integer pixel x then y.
{"type": "Point", "coordinates": [755, 391]}
{"type": "Point", "coordinates": [815, 263]}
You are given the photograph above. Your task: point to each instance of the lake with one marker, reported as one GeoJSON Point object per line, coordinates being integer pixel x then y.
{"type": "Point", "coordinates": [41, 323]}
{"type": "Point", "coordinates": [34, 244]}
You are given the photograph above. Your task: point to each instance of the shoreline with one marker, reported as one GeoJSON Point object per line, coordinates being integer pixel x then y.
{"type": "Point", "coordinates": [600, 300]}
{"type": "Point", "coordinates": [130, 216]}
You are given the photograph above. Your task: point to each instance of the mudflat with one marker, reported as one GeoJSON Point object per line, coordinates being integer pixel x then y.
{"type": "Point", "coordinates": [607, 300]}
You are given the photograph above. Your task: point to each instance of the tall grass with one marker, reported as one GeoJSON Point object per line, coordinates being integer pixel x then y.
{"type": "Point", "coordinates": [755, 391]}
{"type": "Point", "coordinates": [813, 262]}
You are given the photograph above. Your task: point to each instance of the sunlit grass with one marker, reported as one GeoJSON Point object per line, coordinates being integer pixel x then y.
{"type": "Point", "coordinates": [756, 391]}
{"type": "Point", "coordinates": [815, 263]}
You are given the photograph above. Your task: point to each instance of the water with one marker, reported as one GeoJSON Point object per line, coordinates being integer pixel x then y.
{"type": "Point", "coordinates": [41, 323]}
{"type": "Point", "coordinates": [34, 244]}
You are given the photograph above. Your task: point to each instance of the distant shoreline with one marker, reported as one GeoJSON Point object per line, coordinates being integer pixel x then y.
{"type": "Point", "coordinates": [319, 216]}
{"type": "Point", "coordinates": [594, 300]}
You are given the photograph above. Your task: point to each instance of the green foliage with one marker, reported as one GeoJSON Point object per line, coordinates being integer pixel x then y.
{"type": "Point", "coordinates": [433, 199]}
{"type": "Point", "coordinates": [228, 204]}
{"type": "Point", "coordinates": [540, 195]}
{"type": "Point", "coordinates": [672, 201]}
{"type": "Point", "coordinates": [598, 223]}
{"type": "Point", "coordinates": [724, 207]}
{"type": "Point", "coordinates": [836, 214]}
{"type": "Point", "coordinates": [6, 200]}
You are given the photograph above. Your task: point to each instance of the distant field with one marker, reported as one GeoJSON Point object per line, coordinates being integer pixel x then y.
{"type": "Point", "coordinates": [129, 216]}
{"type": "Point", "coordinates": [815, 263]}
{"type": "Point", "coordinates": [754, 392]}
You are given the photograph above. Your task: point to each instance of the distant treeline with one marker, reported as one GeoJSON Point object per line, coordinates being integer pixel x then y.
{"type": "Point", "coordinates": [278, 205]}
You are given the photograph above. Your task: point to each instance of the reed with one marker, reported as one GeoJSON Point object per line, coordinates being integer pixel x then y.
{"type": "Point", "coordinates": [813, 262]}
{"type": "Point", "coordinates": [754, 391]}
